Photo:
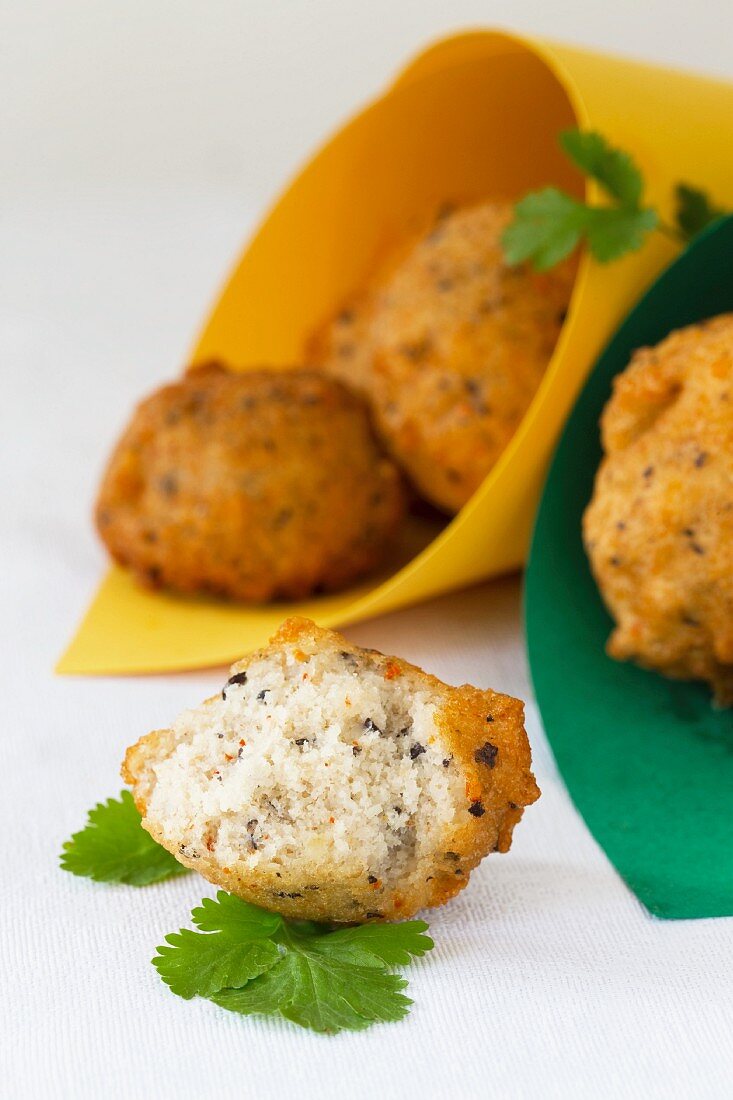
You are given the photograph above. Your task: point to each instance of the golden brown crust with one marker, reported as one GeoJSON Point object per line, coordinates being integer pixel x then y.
{"type": "Point", "coordinates": [659, 529]}
{"type": "Point", "coordinates": [449, 345]}
{"type": "Point", "coordinates": [485, 734]}
{"type": "Point", "coordinates": [251, 486]}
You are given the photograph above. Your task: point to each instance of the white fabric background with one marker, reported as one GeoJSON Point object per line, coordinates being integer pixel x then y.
{"type": "Point", "coordinates": [139, 144]}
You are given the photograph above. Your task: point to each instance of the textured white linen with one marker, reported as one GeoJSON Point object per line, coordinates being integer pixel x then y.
{"type": "Point", "coordinates": [548, 978]}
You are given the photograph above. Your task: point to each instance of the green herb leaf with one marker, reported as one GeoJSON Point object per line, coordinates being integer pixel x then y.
{"type": "Point", "coordinates": [114, 847]}
{"type": "Point", "coordinates": [196, 963]}
{"type": "Point", "coordinates": [612, 232]}
{"type": "Point", "coordinates": [252, 961]}
{"type": "Point", "coordinates": [612, 168]}
{"type": "Point", "coordinates": [547, 226]}
{"type": "Point", "coordinates": [322, 994]}
{"type": "Point", "coordinates": [388, 944]}
{"type": "Point", "coordinates": [694, 210]}
{"type": "Point", "coordinates": [228, 913]}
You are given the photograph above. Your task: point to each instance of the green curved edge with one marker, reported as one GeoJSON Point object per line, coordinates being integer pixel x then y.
{"type": "Point", "coordinates": [648, 762]}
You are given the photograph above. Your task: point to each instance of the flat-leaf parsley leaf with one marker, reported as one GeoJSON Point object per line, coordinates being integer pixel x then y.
{"type": "Point", "coordinates": [254, 962]}
{"type": "Point", "coordinates": [114, 847]}
{"type": "Point", "coordinates": [549, 224]}
{"type": "Point", "coordinates": [695, 211]}
{"type": "Point", "coordinates": [616, 172]}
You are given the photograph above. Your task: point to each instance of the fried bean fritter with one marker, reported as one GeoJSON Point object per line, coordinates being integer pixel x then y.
{"type": "Point", "coordinates": [250, 486]}
{"type": "Point", "coordinates": [659, 529]}
{"type": "Point", "coordinates": [449, 345]}
{"type": "Point", "coordinates": [333, 783]}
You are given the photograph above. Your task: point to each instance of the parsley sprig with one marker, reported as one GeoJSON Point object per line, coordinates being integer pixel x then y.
{"type": "Point", "coordinates": [114, 847]}
{"type": "Point", "coordinates": [247, 959]}
{"type": "Point", "coordinates": [255, 962]}
{"type": "Point", "coordinates": [550, 224]}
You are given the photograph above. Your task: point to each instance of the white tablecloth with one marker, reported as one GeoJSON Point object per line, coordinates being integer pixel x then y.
{"type": "Point", "coordinates": [548, 978]}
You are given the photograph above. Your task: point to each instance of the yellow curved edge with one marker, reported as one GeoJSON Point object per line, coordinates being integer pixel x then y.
{"type": "Point", "coordinates": [474, 115]}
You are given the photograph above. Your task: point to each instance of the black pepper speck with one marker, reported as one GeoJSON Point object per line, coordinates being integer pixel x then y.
{"type": "Point", "coordinates": [238, 678]}
{"type": "Point", "coordinates": [476, 809]}
{"type": "Point", "coordinates": [487, 754]}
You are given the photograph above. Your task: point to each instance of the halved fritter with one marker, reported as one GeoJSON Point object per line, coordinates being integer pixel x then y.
{"type": "Point", "coordinates": [334, 783]}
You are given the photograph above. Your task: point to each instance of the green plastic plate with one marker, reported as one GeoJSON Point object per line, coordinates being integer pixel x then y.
{"type": "Point", "coordinates": [648, 761]}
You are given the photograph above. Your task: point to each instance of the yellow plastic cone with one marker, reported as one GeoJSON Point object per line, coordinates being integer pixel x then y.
{"type": "Point", "coordinates": [474, 116]}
